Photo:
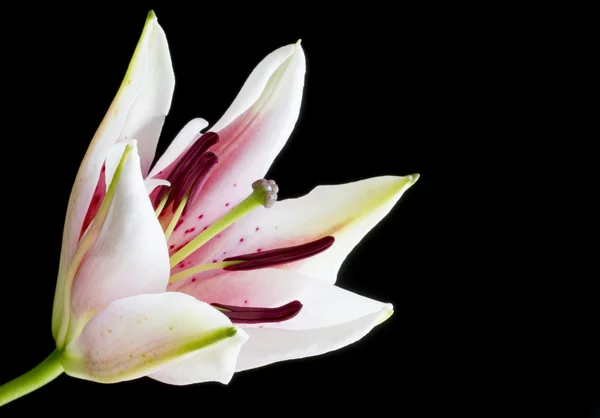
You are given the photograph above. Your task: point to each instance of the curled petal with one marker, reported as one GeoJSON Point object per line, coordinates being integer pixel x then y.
{"type": "Point", "coordinates": [149, 77]}
{"type": "Point", "coordinates": [151, 67]}
{"type": "Point", "coordinates": [270, 345]}
{"type": "Point", "coordinates": [145, 334]}
{"type": "Point", "coordinates": [129, 255]}
{"type": "Point", "coordinates": [189, 133]}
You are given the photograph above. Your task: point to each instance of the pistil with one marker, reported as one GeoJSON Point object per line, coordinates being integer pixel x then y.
{"type": "Point", "coordinates": [264, 194]}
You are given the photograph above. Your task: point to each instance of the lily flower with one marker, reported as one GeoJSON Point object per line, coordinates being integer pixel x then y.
{"type": "Point", "coordinates": [269, 266]}
{"type": "Point", "coordinates": [112, 317]}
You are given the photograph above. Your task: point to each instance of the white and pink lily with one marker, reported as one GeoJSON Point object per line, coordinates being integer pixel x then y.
{"type": "Point", "coordinates": [112, 319]}
{"type": "Point", "coordinates": [271, 270]}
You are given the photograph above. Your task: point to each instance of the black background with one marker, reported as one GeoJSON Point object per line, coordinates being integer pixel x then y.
{"type": "Point", "coordinates": [386, 92]}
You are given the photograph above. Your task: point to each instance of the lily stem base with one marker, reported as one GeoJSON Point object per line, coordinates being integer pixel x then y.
{"type": "Point", "coordinates": [43, 373]}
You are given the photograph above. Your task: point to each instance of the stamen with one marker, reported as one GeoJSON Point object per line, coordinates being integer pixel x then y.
{"type": "Point", "coordinates": [196, 173]}
{"type": "Point", "coordinates": [162, 204]}
{"type": "Point", "coordinates": [190, 159]}
{"type": "Point", "coordinates": [279, 256]}
{"type": "Point", "coordinates": [251, 315]}
{"type": "Point", "coordinates": [199, 269]}
{"type": "Point", "coordinates": [208, 162]}
{"type": "Point", "coordinates": [175, 218]}
{"type": "Point", "coordinates": [264, 194]}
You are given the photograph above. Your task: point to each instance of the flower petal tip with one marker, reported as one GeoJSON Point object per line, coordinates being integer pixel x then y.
{"type": "Point", "coordinates": [151, 16]}
{"type": "Point", "coordinates": [413, 178]}
{"type": "Point", "coordinates": [386, 313]}
{"type": "Point", "coordinates": [238, 334]}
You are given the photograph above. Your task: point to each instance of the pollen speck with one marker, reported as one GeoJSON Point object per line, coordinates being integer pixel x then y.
{"type": "Point", "coordinates": [170, 328]}
{"type": "Point", "coordinates": [109, 330]}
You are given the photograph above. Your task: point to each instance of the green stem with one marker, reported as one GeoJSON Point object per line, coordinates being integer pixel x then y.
{"type": "Point", "coordinates": [35, 378]}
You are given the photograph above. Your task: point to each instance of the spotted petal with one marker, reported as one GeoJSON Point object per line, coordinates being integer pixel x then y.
{"type": "Point", "coordinates": [146, 334]}
{"type": "Point", "coordinates": [347, 212]}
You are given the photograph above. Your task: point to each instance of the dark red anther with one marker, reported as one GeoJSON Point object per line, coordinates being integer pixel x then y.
{"type": "Point", "coordinates": [189, 160]}
{"type": "Point", "coordinates": [197, 172]}
{"type": "Point", "coordinates": [250, 315]}
{"type": "Point", "coordinates": [201, 179]}
{"type": "Point", "coordinates": [280, 255]}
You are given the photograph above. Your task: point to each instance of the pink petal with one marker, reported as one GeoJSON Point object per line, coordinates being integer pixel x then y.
{"type": "Point", "coordinates": [252, 132]}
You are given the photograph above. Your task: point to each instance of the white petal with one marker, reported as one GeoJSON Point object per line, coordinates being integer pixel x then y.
{"type": "Point", "coordinates": [181, 142]}
{"type": "Point", "coordinates": [252, 133]}
{"type": "Point", "coordinates": [146, 116]}
{"type": "Point", "coordinates": [109, 131]}
{"type": "Point", "coordinates": [347, 212]}
{"type": "Point", "coordinates": [324, 305]}
{"type": "Point", "coordinates": [255, 84]}
{"type": "Point", "coordinates": [152, 184]}
{"type": "Point", "coordinates": [215, 363]}
{"type": "Point", "coordinates": [129, 255]}
{"type": "Point", "coordinates": [268, 345]}
{"type": "Point", "coordinates": [140, 335]}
